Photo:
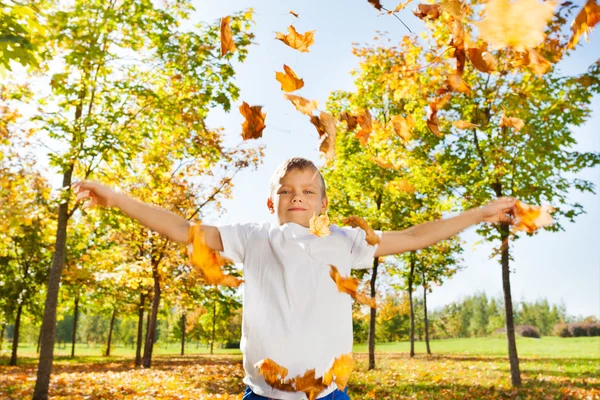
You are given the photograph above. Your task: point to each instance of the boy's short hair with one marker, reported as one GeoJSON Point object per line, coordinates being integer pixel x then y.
{"type": "Point", "coordinates": [291, 164]}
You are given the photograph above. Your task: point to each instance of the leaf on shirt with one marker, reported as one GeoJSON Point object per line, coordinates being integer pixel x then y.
{"type": "Point", "coordinates": [295, 40]}
{"type": "Point", "coordinates": [207, 261]}
{"type": "Point", "coordinates": [319, 225]}
{"type": "Point", "coordinates": [274, 374]}
{"type": "Point", "coordinates": [354, 221]}
{"type": "Point", "coordinates": [340, 371]}
{"type": "Point", "coordinates": [227, 43]}
{"type": "Point", "coordinates": [309, 384]}
{"type": "Point", "coordinates": [531, 218]}
{"type": "Point", "coordinates": [254, 124]}
{"type": "Point", "coordinates": [350, 286]}
{"type": "Point", "coordinates": [289, 80]}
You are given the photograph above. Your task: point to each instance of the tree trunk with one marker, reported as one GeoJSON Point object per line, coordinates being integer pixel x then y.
{"type": "Point", "coordinates": [15, 343]}
{"type": "Point", "coordinates": [515, 373]}
{"type": "Point", "coordinates": [373, 316]}
{"type": "Point", "coordinates": [42, 382]}
{"type": "Point", "coordinates": [147, 360]}
{"type": "Point", "coordinates": [39, 341]}
{"type": "Point", "coordinates": [183, 333]}
{"type": "Point", "coordinates": [110, 331]}
{"type": "Point", "coordinates": [2, 335]}
{"type": "Point", "coordinates": [76, 314]}
{"type": "Point", "coordinates": [412, 312]}
{"type": "Point", "coordinates": [214, 322]}
{"type": "Point", "coordinates": [140, 333]}
{"type": "Point", "coordinates": [425, 315]}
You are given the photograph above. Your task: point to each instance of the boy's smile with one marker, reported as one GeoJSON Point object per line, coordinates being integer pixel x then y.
{"type": "Point", "coordinates": [297, 197]}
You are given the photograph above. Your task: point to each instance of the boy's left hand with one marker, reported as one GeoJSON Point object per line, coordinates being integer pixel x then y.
{"type": "Point", "coordinates": [499, 210]}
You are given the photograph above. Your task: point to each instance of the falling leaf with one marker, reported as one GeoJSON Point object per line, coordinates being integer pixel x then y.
{"type": "Point", "coordinates": [457, 84]}
{"type": "Point", "coordinates": [452, 7]}
{"type": "Point", "coordinates": [482, 59]}
{"type": "Point", "coordinates": [325, 124]}
{"type": "Point", "coordinates": [296, 40]}
{"type": "Point", "coordinates": [354, 221]}
{"type": "Point", "coordinates": [227, 43]}
{"type": "Point", "coordinates": [534, 60]}
{"type": "Point", "coordinates": [458, 43]}
{"type": "Point", "coordinates": [512, 122]}
{"type": "Point", "coordinates": [206, 260]}
{"type": "Point", "coordinates": [376, 4]}
{"type": "Point", "coordinates": [366, 124]}
{"type": "Point", "coordinates": [432, 118]}
{"type": "Point", "coordinates": [519, 24]}
{"type": "Point", "coordinates": [319, 226]}
{"type": "Point", "coordinates": [464, 124]}
{"type": "Point", "coordinates": [428, 11]}
{"type": "Point", "coordinates": [303, 105]}
{"type": "Point", "coordinates": [309, 384]}
{"type": "Point", "coordinates": [531, 218]}
{"type": "Point", "coordinates": [585, 21]}
{"type": "Point", "coordinates": [403, 126]}
{"type": "Point", "coordinates": [295, 14]}
{"type": "Point", "coordinates": [401, 185]}
{"type": "Point", "coordinates": [274, 374]}
{"type": "Point", "coordinates": [381, 162]}
{"type": "Point", "coordinates": [340, 371]}
{"type": "Point", "coordinates": [350, 286]}
{"type": "Point", "coordinates": [255, 121]}
{"type": "Point", "coordinates": [401, 6]}
{"type": "Point", "coordinates": [351, 121]}
{"type": "Point", "coordinates": [289, 80]}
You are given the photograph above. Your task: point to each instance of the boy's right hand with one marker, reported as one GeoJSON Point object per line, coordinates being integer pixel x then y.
{"type": "Point", "coordinates": [99, 194]}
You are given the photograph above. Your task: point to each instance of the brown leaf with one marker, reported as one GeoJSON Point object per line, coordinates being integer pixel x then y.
{"type": "Point", "coordinates": [296, 40]}
{"type": "Point", "coordinates": [294, 14]}
{"type": "Point", "coordinates": [289, 80]}
{"type": "Point", "coordinates": [428, 11]}
{"type": "Point", "coordinates": [227, 43]}
{"type": "Point", "coordinates": [457, 84]}
{"type": "Point", "coordinates": [376, 4]}
{"type": "Point", "coordinates": [349, 285]}
{"type": "Point", "coordinates": [531, 218]}
{"type": "Point", "coordinates": [432, 118]}
{"type": "Point", "coordinates": [340, 371]}
{"type": "Point", "coordinates": [458, 42]}
{"type": "Point", "coordinates": [309, 384]}
{"type": "Point", "coordinates": [303, 105]}
{"type": "Point", "coordinates": [585, 21]}
{"type": "Point", "coordinates": [366, 124]}
{"type": "Point", "coordinates": [354, 221]}
{"type": "Point", "coordinates": [319, 226]}
{"type": "Point", "coordinates": [255, 121]}
{"type": "Point", "coordinates": [274, 374]}
{"type": "Point", "coordinates": [464, 124]}
{"type": "Point", "coordinates": [482, 59]}
{"type": "Point", "coordinates": [534, 60]}
{"type": "Point", "coordinates": [325, 124]}
{"type": "Point", "coordinates": [351, 121]}
{"type": "Point", "coordinates": [512, 122]}
{"type": "Point", "coordinates": [452, 7]}
{"type": "Point", "coordinates": [403, 126]}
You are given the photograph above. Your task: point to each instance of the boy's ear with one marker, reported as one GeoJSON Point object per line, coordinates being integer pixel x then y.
{"type": "Point", "coordinates": [324, 204]}
{"type": "Point", "coordinates": [270, 205]}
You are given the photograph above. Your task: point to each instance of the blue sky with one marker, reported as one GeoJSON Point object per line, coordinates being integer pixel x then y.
{"type": "Point", "coordinates": [561, 267]}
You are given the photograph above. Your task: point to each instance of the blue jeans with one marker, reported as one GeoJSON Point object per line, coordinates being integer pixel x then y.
{"type": "Point", "coordinates": [335, 395]}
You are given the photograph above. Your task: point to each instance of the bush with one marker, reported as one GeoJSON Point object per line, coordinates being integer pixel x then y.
{"type": "Point", "coordinates": [578, 330]}
{"type": "Point", "coordinates": [594, 329]}
{"type": "Point", "coordinates": [528, 331]}
{"type": "Point", "coordinates": [561, 329]}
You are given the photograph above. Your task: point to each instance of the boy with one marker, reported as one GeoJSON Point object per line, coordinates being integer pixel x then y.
{"type": "Point", "coordinates": [293, 312]}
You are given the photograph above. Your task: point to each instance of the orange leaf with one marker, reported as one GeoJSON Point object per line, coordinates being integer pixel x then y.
{"type": "Point", "coordinates": [289, 81]}
{"type": "Point", "coordinates": [531, 218]}
{"type": "Point", "coordinates": [309, 384]}
{"type": "Point", "coordinates": [403, 126]}
{"type": "Point", "coordinates": [351, 121]}
{"type": "Point", "coordinates": [350, 286]}
{"type": "Point", "coordinates": [206, 260]}
{"type": "Point", "coordinates": [294, 14]}
{"type": "Point", "coordinates": [365, 122]}
{"type": "Point", "coordinates": [354, 221]}
{"type": "Point", "coordinates": [325, 124]}
{"type": "Point", "coordinates": [482, 59]}
{"type": "Point", "coordinates": [534, 60]}
{"type": "Point", "coordinates": [464, 124]}
{"type": "Point", "coordinates": [519, 24]}
{"type": "Point", "coordinates": [458, 84]}
{"type": "Point", "coordinates": [381, 162]}
{"type": "Point", "coordinates": [296, 40]}
{"type": "Point", "coordinates": [274, 374]}
{"type": "Point", "coordinates": [401, 6]}
{"type": "Point", "coordinates": [402, 185]}
{"type": "Point", "coordinates": [255, 121]}
{"type": "Point", "coordinates": [340, 371]}
{"type": "Point", "coordinates": [432, 118]}
{"type": "Point", "coordinates": [303, 105]}
{"type": "Point", "coordinates": [227, 43]}
{"type": "Point", "coordinates": [319, 226]}
{"type": "Point", "coordinates": [512, 122]}
{"type": "Point", "coordinates": [428, 11]}
{"type": "Point", "coordinates": [585, 21]}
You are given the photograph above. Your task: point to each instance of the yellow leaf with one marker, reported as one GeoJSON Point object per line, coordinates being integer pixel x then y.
{"type": "Point", "coordinates": [303, 105]}
{"type": "Point", "coordinates": [296, 40]}
{"type": "Point", "coordinates": [289, 80]}
{"type": "Point", "coordinates": [585, 21]}
{"type": "Point", "coordinates": [403, 126]}
{"type": "Point", "coordinates": [464, 124]}
{"type": "Point", "coordinates": [319, 226]}
{"type": "Point", "coordinates": [512, 122]}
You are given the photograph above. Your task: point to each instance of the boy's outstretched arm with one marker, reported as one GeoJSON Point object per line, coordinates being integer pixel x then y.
{"type": "Point", "coordinates": [428, 233]}
{"type": "Point", "coordinates": [162, 221]}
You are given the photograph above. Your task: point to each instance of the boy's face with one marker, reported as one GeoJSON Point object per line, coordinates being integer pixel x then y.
{"type": "Point", "coordinates": [297, 197]}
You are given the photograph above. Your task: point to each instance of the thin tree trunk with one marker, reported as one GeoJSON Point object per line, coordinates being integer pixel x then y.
{"type": "Point", "coordinates": [183, 333]}
{"type": "Point", "coordinates": [76, 314]}
{"type": "Point", "coordinates": [214, 323]}
{"type": "Point", "coordinates": [412, 312]}
{"type": "Point", "coordinates": [147, 359]}
{"type": "Point", "coordinates": [140, 333]}
{"type": "Point", "coordinates": [373, 316]}
{"type": "Point", "coordinates": [39, 341]}
{"type": "Point", "coordinates": [15, 343]}
{"type": "Point", "coordinates": [515, 373]}
{"type": "Point", "coordinates": [425, 315]}
{"type": "Point", "coordinates": [2, 335]}
{"type": "Point", "coordinates": [110, 331]}
{"type": "Point", "coordinates": [44, 371]}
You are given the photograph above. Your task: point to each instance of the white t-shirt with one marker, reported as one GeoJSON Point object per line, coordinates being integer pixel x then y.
{"type": "Point", "coordinates": [293, 312]}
